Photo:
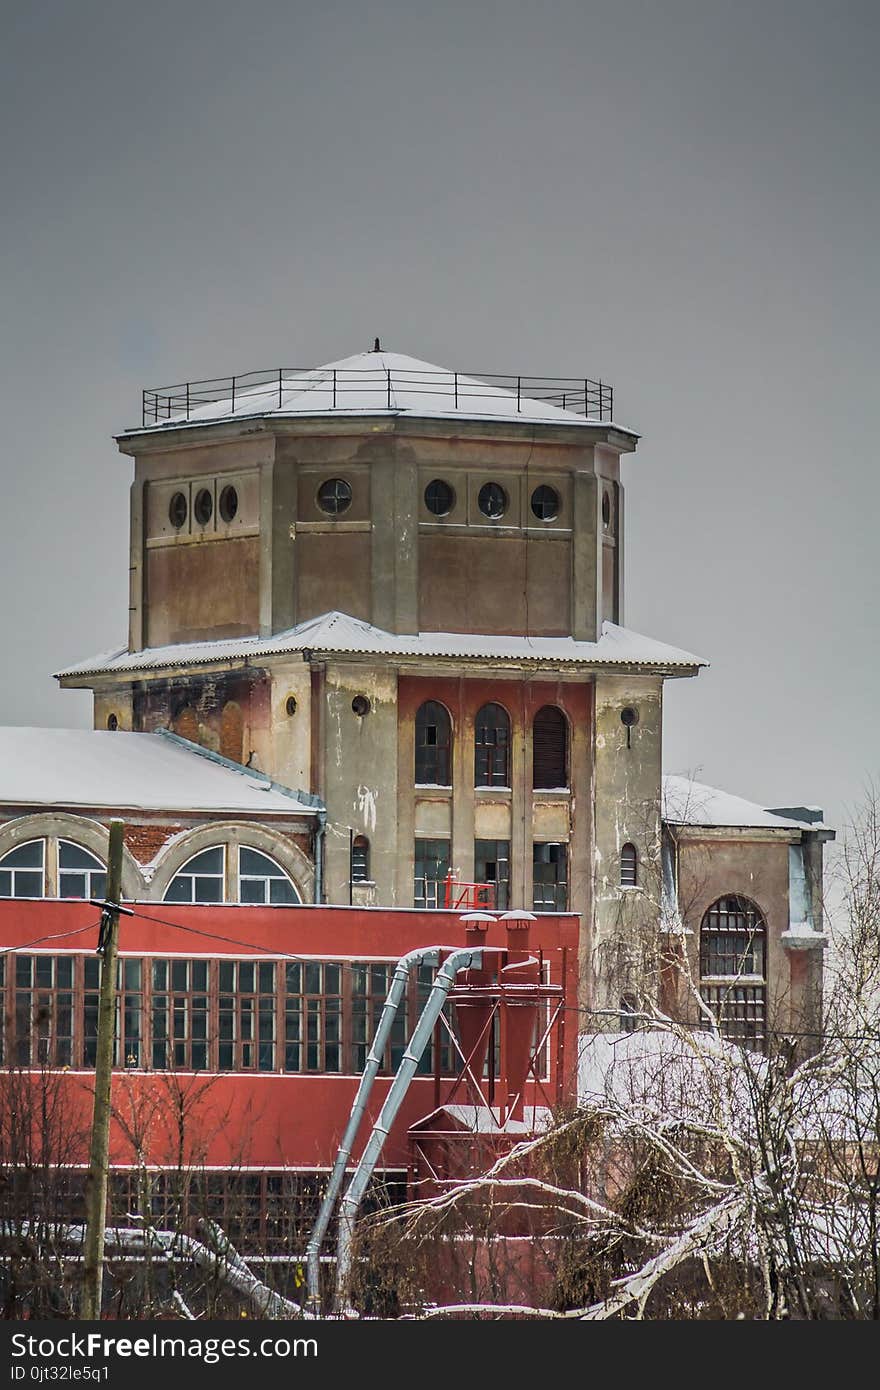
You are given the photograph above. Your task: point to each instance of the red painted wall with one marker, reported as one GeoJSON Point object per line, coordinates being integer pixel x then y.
{"type": "Point", "coordinates": [269, 1119]}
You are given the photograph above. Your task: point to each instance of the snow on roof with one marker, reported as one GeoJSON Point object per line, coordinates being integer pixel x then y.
{"type": "Point", "coordinates": [374, 383]}
{"type": "Point", "coordinates": [338, 632]}
{"type": "Point", "coordinates": [655, 1075]}
{"type": "Point", "coordinates": [686, 802]}
{"type": "Point", "coordinates": [484, 1119]}
{"type": "Point", "coordinates": [150, 772]}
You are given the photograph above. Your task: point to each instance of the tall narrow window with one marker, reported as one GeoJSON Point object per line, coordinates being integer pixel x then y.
{"type": "Point", "coordinates": [431, 869]}
{"type": "Point", "coordinates": [44, 1011]}
{"type": "Point", "coordinates": [313, 1016]}
{"type": "Point", "coordinates": [180, 1014]}
{"type": "Point", "coordinates": [22, 871]}
{"type": "Point", "coordinates": [360, 859]}
{"type": "Point", "coordinates": [549, 877]}
{"type": "Point", "coordinates": [550, 748]}
{"type": "Point", "coordinates": [261, 880]}
{"type": "Point", "coordinates": [733, 969]}
{"type": "Point", "coordinates": [492, 865]}
{"type": "Point", "coordinates": [492, 747]}
{"type": "Point", "coordinates": [200, 880]}
{"type": "Point", "coordinates": [629, 867]}
{"type": "Point", "coordinates": [80, 873]}
{"type": "Point", "coordinates": [433, 745]}
{"type": "Point", "coordinates": [246, 1015]}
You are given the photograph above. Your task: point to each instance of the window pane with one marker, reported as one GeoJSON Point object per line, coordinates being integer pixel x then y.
{"type": "Point", "coordinates": [72, 856]}
{"type": "Point", "coordinates": [29, 856]}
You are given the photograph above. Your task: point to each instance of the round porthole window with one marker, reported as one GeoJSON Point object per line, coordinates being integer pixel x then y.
{"type": "Point", "coordinates": [492, 500]}
{"type": "Point", "coordinates": [177, 510]}
{"type": "Point", "coordinates": [229, 504]}
{"type": "Point", "coordinates": [439, 498]}
{"type": "Point", "coordinates": [112, 723]}
{"type": "Point", "coordinates": [334, 496]}
{"type": "Point", "coordinates": [290, 706]}
{"type": "Point", "coordinates": [545, 503]}
{"type": "Point", "coordinates": [361, 705]}
{"type": "Point", "coordinates": [203, 507]}
{"type": "Point", "coordinates": [629, 717]}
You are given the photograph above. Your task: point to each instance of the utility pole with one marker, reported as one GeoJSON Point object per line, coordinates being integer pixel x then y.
{"type": "Point", "coordinates": [96, 1182]}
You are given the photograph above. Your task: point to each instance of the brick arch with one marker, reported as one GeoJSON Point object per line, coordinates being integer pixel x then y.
{"type": "Point", "coordinates": [232, 834]}
{"type": "Point", "coordinates": [80, 830]}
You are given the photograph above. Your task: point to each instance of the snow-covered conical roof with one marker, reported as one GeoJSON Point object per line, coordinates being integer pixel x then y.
{"type": "Point", "coordinates": [379, 383]}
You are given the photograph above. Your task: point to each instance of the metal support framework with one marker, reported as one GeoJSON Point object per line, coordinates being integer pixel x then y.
{"type": "Point", "coordinates": [461, 959]}
{"type": "Point", "coordinates": [425, 956]}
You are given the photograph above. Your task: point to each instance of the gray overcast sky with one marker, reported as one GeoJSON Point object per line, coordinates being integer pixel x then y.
{"type": "Point", "coordinates": [680, 197]}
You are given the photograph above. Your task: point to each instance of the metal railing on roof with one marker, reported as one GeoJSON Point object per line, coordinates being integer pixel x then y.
{"type": "Point", "coordinates": [371, 388]}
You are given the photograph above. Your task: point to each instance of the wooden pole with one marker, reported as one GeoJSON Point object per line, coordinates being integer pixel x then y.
{"type": "Point", "coordinates": [96, 1182]}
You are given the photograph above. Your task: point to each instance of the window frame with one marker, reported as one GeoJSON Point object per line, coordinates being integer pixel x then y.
{"type": "Point", "coordinates": [736, 995]}
{"type": "Point", "coordinates": [15, 870]}
{"type": "Point", "coordinates": [492, 756]}
{"type": "Point", "coordinates": [440, 747]}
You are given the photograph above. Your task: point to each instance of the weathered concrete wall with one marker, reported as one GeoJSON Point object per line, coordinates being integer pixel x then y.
{"type": "Point", "coordinates": [752, 865]}
{"type": "Point", "coordinates": [357, 774]}
{"type": "Point", "coordinates": [626, 793]}
{"type": "Point", "coordinates": [386, 558]}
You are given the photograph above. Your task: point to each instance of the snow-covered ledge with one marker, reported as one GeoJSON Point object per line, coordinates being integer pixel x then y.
{"type": "Point", "coordinates": [801, 937]}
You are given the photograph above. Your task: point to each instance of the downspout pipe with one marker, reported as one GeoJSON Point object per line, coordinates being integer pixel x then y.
{"type": "Point", "coordinates": [443, 982]}
{"type": "Point", "coordinates": [320, 833]}
{"type": "Point", "coordinates": [426, 955]}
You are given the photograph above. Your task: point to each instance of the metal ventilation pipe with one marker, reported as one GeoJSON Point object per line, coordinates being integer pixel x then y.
{"type": "Point", "coordinates": [458, 960]}
{"type": "Point", "coordinates": [426, 955]}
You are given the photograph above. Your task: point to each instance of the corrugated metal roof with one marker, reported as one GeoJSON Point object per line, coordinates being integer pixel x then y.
{"type": "Point", "coordinates": [341, 634]}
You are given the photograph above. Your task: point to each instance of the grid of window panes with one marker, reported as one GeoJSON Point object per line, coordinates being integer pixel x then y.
{"type": "Point", "coordinates": [732, 939]}
{"type": "Point", "coordinates": [492, 865]}
{"type": "Point", "coordinates": [261, 880]}
{"type": "Point", "coordinates": [180, 1014]}
{"type": "Point", "coordinates": [430, 870]}
{"type": "Point", "coordinates": [369, 986]}
{"type": "Point", "coordinates": [200, 880]}
{"type": "Point", "coordinates": [313, 1017]}
{"type": "Point", "coordinates": [128, 1049]}
{"type": "Point", "coordinates": [549, 877]}
{"type": "Point", "coordinates": [740, 1011]}
{"type": "Point", "coordinates": [492, 747]}
{"type": "Point", "coordinates": [214, 1015]}
{"type": "Point", "coordinates": [80, 873]}
{"type": "Point", "coordinates": [22, 871]}
{"type": "Point", "coordinates": [433, 743]}
{"type": "Point", "coordinates": [44, 1012]}
{"type": "Point", "coordinates": [246, 1015]}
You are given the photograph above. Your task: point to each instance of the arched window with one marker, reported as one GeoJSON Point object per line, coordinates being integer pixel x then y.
{"type": "Point", "coordinates": [200, 880]}
{"type": "Point", "coordinates": [261, 880]}
{"type": "Point", "coordinates": [360, 859]}
{"type": "Point", "coordinates": [80, 873]}
{"type": "Point", "coordinates": [492, 747]}
{"type": "Point", "coordinates": [733, 969]}
{"type": "Point", "coordinates": [433, 745]}
{"type": "Point", "coordinates": [629, 866]}
{"type": "Point", "coordinates": [550, 748]}
{"type": "Point", "coordinates": [22, 871]}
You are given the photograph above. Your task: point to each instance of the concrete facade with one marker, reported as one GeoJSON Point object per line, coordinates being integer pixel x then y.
{"type": "Point", "coordinates": [343, 725]}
